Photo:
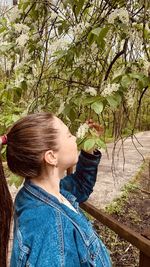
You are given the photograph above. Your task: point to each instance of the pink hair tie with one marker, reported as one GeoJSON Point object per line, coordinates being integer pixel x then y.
{"type": "Point", "coordinates": [4, 139]}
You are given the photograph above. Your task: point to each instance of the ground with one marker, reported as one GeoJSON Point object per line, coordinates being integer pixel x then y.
{"type": "Point", "coordinates": [133, 210]}
{"type": "Point", "coordinates": [118, 166]}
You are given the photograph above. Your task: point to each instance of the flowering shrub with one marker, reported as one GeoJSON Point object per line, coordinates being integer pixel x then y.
{"type": "Point", "coordinates": [79, 59]}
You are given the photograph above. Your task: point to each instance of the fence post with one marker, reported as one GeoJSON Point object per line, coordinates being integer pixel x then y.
{"type": "Point", "coordinates": [144, 260]}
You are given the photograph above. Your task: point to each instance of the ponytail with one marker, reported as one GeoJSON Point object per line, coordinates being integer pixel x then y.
{"type": "Point", "coordinates": [6, 211]}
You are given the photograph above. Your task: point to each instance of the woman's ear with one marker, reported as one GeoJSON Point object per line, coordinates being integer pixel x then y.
{"type": "Point", "coordinates": [50, 157]}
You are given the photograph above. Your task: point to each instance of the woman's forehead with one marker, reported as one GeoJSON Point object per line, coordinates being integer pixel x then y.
{"type": "Point", "coordinates": [60, 124]}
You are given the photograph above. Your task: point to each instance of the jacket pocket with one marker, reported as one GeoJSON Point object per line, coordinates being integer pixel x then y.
{"type": "Point", "coordinates": [23, 260]}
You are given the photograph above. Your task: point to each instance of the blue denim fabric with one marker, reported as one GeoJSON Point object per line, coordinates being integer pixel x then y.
{"type": "Point", "coordinates": [47, 233]}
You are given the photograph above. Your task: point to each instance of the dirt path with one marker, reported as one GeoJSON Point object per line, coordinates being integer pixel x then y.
{"type": "Point", "coordinates": [108, 186]}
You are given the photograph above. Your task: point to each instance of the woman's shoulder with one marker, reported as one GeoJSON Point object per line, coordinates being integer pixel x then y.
{"type": "Point", "coordinates": [32, 212]}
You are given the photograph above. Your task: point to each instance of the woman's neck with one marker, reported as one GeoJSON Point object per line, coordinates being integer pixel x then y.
{"type": "Point", "coordinates": [49, 182]}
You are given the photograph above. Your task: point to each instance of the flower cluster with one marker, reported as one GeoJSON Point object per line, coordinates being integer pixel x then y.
{"type": "Point", "coordinates": [14, 14]}
{"type": "Point", "coordinates": [59, 44]}
{"type": "Point", "coordinates": [22, 39]}
{"type": "Point", "coordinates": [20, 27]}
{"type": "Point", "coordinates": [94, 48]}
{"type": "Point", "coordinates": [109, 89]}
{"type": "Point", "coordinates": [82, 130]}
{"type": "Point", "coordinates": [146, 66]}
{"type": "Point", "coordinates": [91, 90]}
{"type": "Point", "coordinates": [121, 13]}
{"type": "Point", "coordinates": [79, 28]}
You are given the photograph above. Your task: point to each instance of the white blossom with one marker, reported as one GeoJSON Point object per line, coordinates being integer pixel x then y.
{"type": "Point", "coordinates": [20, 27]}
{"type": "Point", "coordinates": [14, 13]}
{"type": "Point", "coordinates": [94, 48]}
{"type": "Point", "coordinates": [124, 15]}
{"type": "Point", "coordinates": [8, 65]}
{"type": "Point", "coordinates": [19, 79]}
{"type": "Point", "coordinates": [35, 70]}
{"type": "Point", "coordinates": [58, 45]}
{"type": "Point", "coordinates": [82, 130]}
{"type": "Point", "coordinates": [91, 90]}
{"type": "Point", "coordinates": [109, 89]}
{"type": "Point", "coordinates": [30, 80]}
{"type": "Point", "coordinates": [146, 66]}
{"type": "Point", "coordinates": [61, 108]}
{"type": "Point", "coordinates": [22, 39]}
{"type": "Point", "coordinates": [121, 13]}
{"type": "Point", "coordinates": [113, 16]}
{"type": "Point", "coordinates": [54, 15]}
{"type": "Point", "coordinates": [79, 28]}
{"type": "Point", "coordinates": [19, 66]}
{"type": "Point", "coordinates": [4, 43]}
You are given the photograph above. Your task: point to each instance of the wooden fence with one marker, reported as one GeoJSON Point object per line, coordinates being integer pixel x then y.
{"type": "Point", "coordinates": [136, 239]}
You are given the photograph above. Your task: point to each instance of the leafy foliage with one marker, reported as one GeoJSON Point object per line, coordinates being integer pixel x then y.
{"type": "Point", "coordinates": [79, 59]}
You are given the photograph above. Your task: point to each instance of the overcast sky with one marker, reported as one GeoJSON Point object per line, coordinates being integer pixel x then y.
{"type": "Point", "coordinates": [9, 2]}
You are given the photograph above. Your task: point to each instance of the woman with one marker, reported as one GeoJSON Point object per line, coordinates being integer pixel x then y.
{"type": "Point", "coordinates": [49, 227]}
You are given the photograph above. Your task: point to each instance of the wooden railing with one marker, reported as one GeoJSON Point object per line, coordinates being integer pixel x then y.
{"type": "Point", "coordinates": [136, 239]}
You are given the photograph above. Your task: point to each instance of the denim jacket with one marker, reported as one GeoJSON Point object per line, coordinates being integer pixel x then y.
{"type": "Point", "coordinates": [48, 233]}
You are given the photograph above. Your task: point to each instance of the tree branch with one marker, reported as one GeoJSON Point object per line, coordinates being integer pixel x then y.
{"type": "Point", "coordinates": [139, 105]}
{"type": "Point", "coordinates": [115, 59]}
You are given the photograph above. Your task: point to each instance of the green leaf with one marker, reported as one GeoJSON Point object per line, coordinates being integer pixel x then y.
{"type": "Point", "coordinates": [91, 38]}
{"type": "Point", "coordinates": [117, 97]}
{"type": "Point", "coordinates": [101, 43]}
{"type": "Point", "coordinates": [138, 76]}
{"type": "Point", "coordinates": [72, 114]}
{"type": "Point", "coordinates": [104, 32]}
{"type": "Point", "coordinates": [25, 5]}
{"type": "Point", "coordinates": [16, 180]}
{"type": "Point", "coordinates": [79, 6]}
{"type": "Point", "coordinates": [96, 31]}
{"type": "Point", "coordinates": [100, 143]}
{"type": "Point", "coordinates": [117, 78]}
{"type": "Point", "coordinates": [112, 102]}
{"type": "Point", "coordinates": [90, 100]}
{"type": "Point", "coordinates": [78, 72]}
{"type": "Point", "coordinates": [2, 29]}
{"type": "Point", "coordinates": [125, 81]}
{"type": "Point", "coordinates": [143, 80]}
{"type": "Point", "coordinates": [97, 107]}
{"type": "Point", "coordinates": [67, 110]}
{"type": "Point", "coordinates": [89, 144]}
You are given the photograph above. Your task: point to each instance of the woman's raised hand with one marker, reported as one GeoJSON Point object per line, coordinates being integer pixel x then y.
{"type": "Point", "coordinates": [98, 128]}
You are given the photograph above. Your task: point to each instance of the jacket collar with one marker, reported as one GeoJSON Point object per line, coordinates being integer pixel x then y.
{"type": "Point", "coordinates": [43, 195]}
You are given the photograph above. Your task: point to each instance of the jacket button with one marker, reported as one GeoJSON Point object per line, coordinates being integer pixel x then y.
{"type": "Point", "coordinates": [92, 257]}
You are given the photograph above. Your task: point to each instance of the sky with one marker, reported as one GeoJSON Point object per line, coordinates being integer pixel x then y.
{"type": "Point", "coordinates": [9, 2]}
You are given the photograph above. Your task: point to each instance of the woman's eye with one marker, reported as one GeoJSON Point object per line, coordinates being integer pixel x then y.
{"type": "Point", "coordinates": [70, 134]}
